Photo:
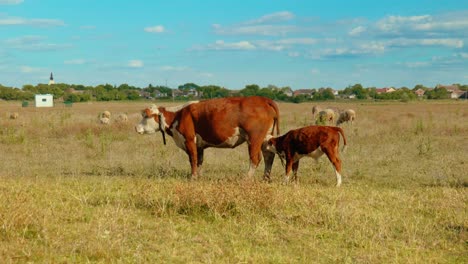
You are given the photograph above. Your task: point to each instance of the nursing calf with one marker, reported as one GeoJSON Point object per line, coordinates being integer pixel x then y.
{"type": "Point", "coordinates": [218, 123]}
{"type": "Point", "coordinates": [312, 141]}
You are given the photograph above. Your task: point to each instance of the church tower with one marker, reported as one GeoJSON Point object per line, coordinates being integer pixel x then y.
{"type": "Point", "coordinates": [51, 79]}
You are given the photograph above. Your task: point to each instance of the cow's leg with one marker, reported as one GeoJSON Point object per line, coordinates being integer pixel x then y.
{"type": "Point", "coordinates": [289, 166]}
{"type": "Point", "coordinates": [332, 154]}
{"type": "Point", "coordinates": [269, 157]}
{"type": "Point", "coordinates": [200, 161]}
{"type": "Point", "coordinates": [295, 167]}
{"type": "Point", "coordinates": [255, 147]}
{"type": "Point", "coordinates": [191, 150]}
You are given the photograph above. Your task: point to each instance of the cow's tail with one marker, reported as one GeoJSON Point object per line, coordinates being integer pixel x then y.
{"type": "Point", "coordinates": [275, 119]}
{"type": "Point", "coordinates": [344, 138]}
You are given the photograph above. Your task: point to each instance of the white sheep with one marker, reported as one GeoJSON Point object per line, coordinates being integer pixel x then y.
{"type": "Point", "coordinates": [104, 120]}
{"type": "Point", "coordinates": [105, 114]}
{"type": "Point", "coordinates": [326, 117]}
{"type": "Point", "coordinates": [349, 115]}
{"type": "Point", "coordinates": [122, 118]}
{"type": "Point", "coordinates": [14, 115]}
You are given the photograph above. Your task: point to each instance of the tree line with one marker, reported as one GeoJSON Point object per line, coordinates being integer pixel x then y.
{"type": "Point", "coordinates": [107, 92]}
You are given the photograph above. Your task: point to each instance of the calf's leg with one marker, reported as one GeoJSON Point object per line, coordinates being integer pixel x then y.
{"type": "Point", "coordinates": [295, 167]}
{"type": "Point", "coordinates": [289, 166]}
{"type": "Point", "coordinates": [332, 154]}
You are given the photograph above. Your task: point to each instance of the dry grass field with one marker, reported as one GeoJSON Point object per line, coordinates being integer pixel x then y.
{"type": "Point", "coordinates": [73, 191]}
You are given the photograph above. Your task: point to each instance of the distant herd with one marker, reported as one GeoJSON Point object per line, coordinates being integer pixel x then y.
{"type": "Point", "coordinates": [229, 122]}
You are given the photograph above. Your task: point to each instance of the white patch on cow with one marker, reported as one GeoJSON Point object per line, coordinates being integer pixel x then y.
{"type": "Point", "coordinates": [179, 139]}
{"type": "Point", "coordinates": [237, 138]}
{"type": "Point", "coordinates": [314, 154]}
{"type": "Point", "coordinates": [251, 170]}
{"type": "Point", "coordinates": [286, 179]}
{"type": "Point", "coordinates": [178, 107]}
{"type": "Point", "coordinates": [338, 178]}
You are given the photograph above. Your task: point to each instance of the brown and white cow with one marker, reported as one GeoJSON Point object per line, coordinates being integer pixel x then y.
{"type": "Point", "coordinates": [218, 123]}
{"type": "Point", "coordinates": [310, 141]}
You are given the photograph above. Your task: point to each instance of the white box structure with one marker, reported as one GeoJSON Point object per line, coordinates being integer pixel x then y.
{"type": "Point", "coordinates": [44, 100]}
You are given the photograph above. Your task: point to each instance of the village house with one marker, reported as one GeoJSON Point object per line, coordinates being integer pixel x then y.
{"type": "Point", "coordinates": [453, 90]}
{"type": "Point", "coordinates": [385, 90]}
{"type": "Point", "coordinates": [308, 92]}
{"type": "Point", "coordinates": [288, 92]}
{"type": "Point", "coordinates": [419, 92]}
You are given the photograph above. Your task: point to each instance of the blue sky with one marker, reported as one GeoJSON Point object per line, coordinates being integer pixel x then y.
{"type": "Point", "coordinates": [301, 44]}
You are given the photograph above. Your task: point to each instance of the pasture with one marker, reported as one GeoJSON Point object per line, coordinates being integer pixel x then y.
{"type": "Point", "coordinates": [74, 190]}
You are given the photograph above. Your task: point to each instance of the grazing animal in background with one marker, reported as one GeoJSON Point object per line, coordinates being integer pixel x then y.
{"type": "Point", "coordinates": [106, 114]}
{"type": "Point", "coordinates": [348, 115]}
{"type": "Point", "coordinates": [104, 120]}
{"type": "Point", "coordinates": [315, 110]}
{"type": "Point", "coordinates": [326, 117]}
{"type": "Point", "coordinates": [218, 123]}
{"type": "Point", "coordinates": [14, 115]}
{"type": "Point", "coordinates": [122, 118]}
{"type": "Point", "coordinates": [312, 141]}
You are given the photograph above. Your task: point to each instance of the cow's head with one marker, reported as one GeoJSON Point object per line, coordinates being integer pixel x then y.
{"type": "Point", "coordinates": [149, 123]}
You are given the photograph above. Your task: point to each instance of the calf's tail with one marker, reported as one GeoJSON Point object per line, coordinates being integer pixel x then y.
{"type": "Point", "coordinates": [344, 138]}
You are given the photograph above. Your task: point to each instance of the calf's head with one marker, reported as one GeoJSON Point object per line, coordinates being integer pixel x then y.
{"type": "Point", "coordinates": [271, 144]}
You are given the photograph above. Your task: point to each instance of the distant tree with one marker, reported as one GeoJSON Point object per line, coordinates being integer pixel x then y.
{"type": "Point", "coordinates": [188, 86]}
{"type": "Point", "coordinates": [250, 90]}
{"type": "Point", "coordinates": [437, 93]}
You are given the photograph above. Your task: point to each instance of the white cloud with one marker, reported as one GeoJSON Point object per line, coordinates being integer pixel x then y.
{"type": "Point", "coordinates": [11, 2]}
{"type": "Point", "coordinates": [206, 75]}
{"type": "Point", "coordinates": [35, 22]}
{"type": "Point", "coordinates": [404, 42]}
{"type": "Point", "coordinates": [357, 31]}
{"type": "Point", "coordinates": [298, 41]}
{"type": "Point", "coordinates": [272, 18]}
{"type": "Point", "coordinates": [315, 71]}
{"type": "Point", "coordinates": [135, 64]}
{"type": "Point", "coordinates": [28, 69]}
{"type": "Point", "coordinates": [447, 24]}
{"type": "Point", "coordinates": [34, 43]}
{"type": "Point", "coordinates": [155, 29]}
{"type": "Point", "coordinates": [463, 55]}
{"type": "Point", "coordinates": [174, 68]}
{"type": "Point", "coordinates": [363, 49]}
{"type": "Point", "coordinates": [294, 54]}
{"type": "Point", "coordinates": [265, 30]}
{"type": "Point", "coordinates": [221, 45]}
{"type": "Point", "coordinates": [75, 61]}
{"type": "Point", "coordinates": [418, 64]}
{"type": "Point", "coordinates": [268, 45]}
{"type": "Point", "coordinates": [88, 27]}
